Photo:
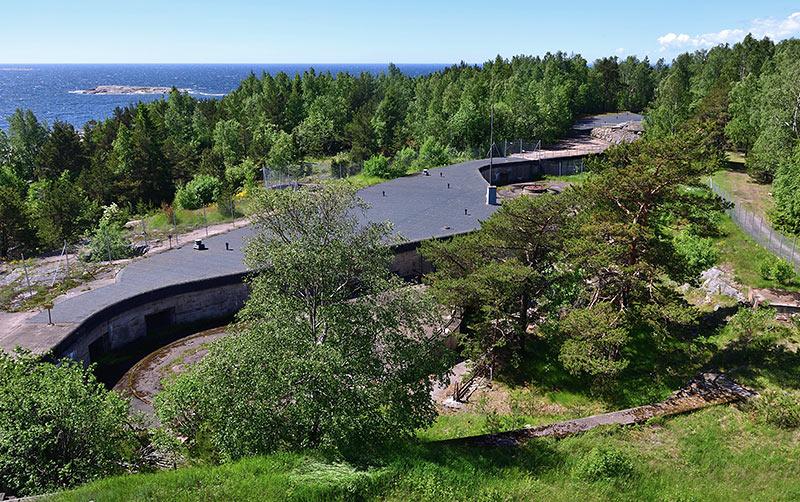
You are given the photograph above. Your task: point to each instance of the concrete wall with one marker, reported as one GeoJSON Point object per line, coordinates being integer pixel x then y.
{"type": "Point", "coordinates": [132, 319]}
{"type": "Point", "coordinates": [124, 322]}
{"type": "Point", "coordinates": [511, 172]}
{"type": "Point", "coordinates": [562, 167]}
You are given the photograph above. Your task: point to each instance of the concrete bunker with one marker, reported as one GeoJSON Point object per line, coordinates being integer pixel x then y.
{"type": "Point", "coordinates": [159, 320]}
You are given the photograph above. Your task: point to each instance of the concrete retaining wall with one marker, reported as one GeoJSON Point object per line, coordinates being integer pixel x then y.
{"type": "Point", "coordinates": [124, 322]}
{"type": "Point", "coordinates": [562, 167]}
{"type": "Point", "coordinates": [510, 172]}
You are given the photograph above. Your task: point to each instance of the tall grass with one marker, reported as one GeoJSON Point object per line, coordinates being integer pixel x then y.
{"type": "Point", "coordinates": [718, 454]}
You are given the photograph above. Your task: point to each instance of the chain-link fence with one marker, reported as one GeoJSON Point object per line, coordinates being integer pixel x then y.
{"type": "Point", "coordinates": [760, 230]}
{"type": "Point", "coordinates": [520, 146]}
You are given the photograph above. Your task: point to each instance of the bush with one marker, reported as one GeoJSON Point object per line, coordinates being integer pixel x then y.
{"type": "Point", "coordinates": [405, 159]}
{"type": "Point", "coordinates": [697, 253]}
{"type": "Point", "coordinates": [605, 463]}
{"type": "Point", "coordinates": [783, 271]}
{"type": "Point", "coordinates": [244, 175]}
{"type": "Point", "coordinates": [777, 269]}
{"type": "Point", "coordinates": [765, 270]}
{"type": "Point", "coordinates": [379, 165]}
{"type": "Point", "coordinates": [118, 245]}
{"type": "Point", "coordinates": [779, 408]}
{"type": "Point", "coordinates": [113, 216]}
{"type": "Point", "coordinates": [59, 426]}
{"type": "Point", "coordinates": [202, 190]}
{"type": "Point", "coordinates": [341, 166]}
{"type": "Point", "coordinates": [431, 155]}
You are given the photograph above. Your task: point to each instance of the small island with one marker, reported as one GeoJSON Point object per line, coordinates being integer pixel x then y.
{"type": "Point", "coordinates": [126, 89]}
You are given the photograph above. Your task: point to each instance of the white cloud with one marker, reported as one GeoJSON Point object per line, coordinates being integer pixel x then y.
{"type": "Point", "coordinates": [620, 50]}
{"type": "Point", "coordinates": [774, 28]}
{"type": "Point", "coordinates": [777, 28]}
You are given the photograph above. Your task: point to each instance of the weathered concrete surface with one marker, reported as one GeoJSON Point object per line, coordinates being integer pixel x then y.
{"type": "Point", "coordinates": [420, 207]}
{"type": "Point", "coordinates": [706, 389]}
{"type": "Point", "coordinates": [451, 200]}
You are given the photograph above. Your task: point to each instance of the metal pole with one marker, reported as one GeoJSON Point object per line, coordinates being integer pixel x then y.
{"type": "Point", "coordinates": [205, 221]}
{"type": "Point", "coordinates": [491, 143]}
{"type": "Point", "coordinates": [264, 171]}
{"type": "Point", "coordinates": [770, 236]}
{"type": "Point", "coordinates": [58, 266]}
{"type": "Point", "coordinates": [144, 233]}
{"type": "Point", "coordinates": [108, 246]}
{"type": "Point", "coordinates": [174, 227]}
{"type": "Point", "coordinates": [27, 280]}
{"type": "Point", "coordinates": [233, 215]}
{"type": "Point", "coordinates": [67, 256]}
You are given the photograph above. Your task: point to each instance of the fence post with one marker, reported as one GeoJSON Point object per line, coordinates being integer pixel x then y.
{"type": "Point", "coordinates": [27, 280]}
{"type": "Point", "coordinates": [205, 220]}
{"type": "Point", "coordinates": [67, 256]}
{"type": "Point", "coordinates": [793, 243]}
{"type": "Point", "coordinates": [174, 227]}
{"type": "Point", "coordinates": [770, 237]}
{"type": "Point", "coordinates": [144, 233]}
{"type": "Point", "coordinates": [108, 246]}
{"type": "Point", "coordinates": [233, 215]}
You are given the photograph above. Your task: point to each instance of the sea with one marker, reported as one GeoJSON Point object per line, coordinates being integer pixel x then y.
{"type": "Point", "coordinates": [49, 90]}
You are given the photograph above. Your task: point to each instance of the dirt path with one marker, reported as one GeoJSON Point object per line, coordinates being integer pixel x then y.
{"type": "Point", "coordinates": [706, 389]}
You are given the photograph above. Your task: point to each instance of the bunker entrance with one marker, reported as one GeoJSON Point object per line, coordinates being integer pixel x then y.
{"type": "Point", "coordinates": [99, 347]}
{"type": "Point", "coordinates": [158, 321]}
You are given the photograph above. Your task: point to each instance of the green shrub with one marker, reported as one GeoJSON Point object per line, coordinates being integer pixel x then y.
{"type": "Point", "coordinates": [697, 253]}
{"type": "Point", "coordinates": [777, 269]}
{"type": "Point", "coordinates": [117, 244]}
{"type": "Point", "coordinates": [244, 175]}
{"type": "Point", "coordinates": [379, 165]}
{"type": "Point", "coordinates": [605, 463]}
{"type": "Point", "coordinates": [405, 159]}
{"type": "Point", "coordinates": [202, 190]}
{"type": "Point", "coordinates": [783, 271]}
{"type": "Point", "coordinates": [59, 426]}
{"type": "Point", "coordinates": [431, 155]}
{"type": "Point", "coordinates": [766, 270]}
{"type": "Point", "coordinates": [779, 408]}
{"type": "Point", "coordinates": [113, 215]}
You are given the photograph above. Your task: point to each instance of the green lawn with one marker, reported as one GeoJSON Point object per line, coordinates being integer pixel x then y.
{"type": "Point", "coordinates": [745, 256]}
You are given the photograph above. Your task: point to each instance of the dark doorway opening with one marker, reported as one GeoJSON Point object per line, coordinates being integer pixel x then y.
{"type": "Point", "coordinates": [159, 321]}
{"type": "Point", "coordinates": [99, 347]}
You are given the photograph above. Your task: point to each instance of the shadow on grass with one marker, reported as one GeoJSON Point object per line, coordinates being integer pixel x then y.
{"type": "Point", "coordinates": [657, 368]}
{"type": "Point", "coordinates": [761, 362]}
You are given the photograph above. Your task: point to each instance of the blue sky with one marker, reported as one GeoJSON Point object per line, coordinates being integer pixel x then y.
{"type": "Point", "coordinates": [413, 31]}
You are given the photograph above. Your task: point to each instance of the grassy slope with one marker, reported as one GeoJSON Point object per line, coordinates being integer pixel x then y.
{"type": "Point", "coordinates": [716, 454]}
